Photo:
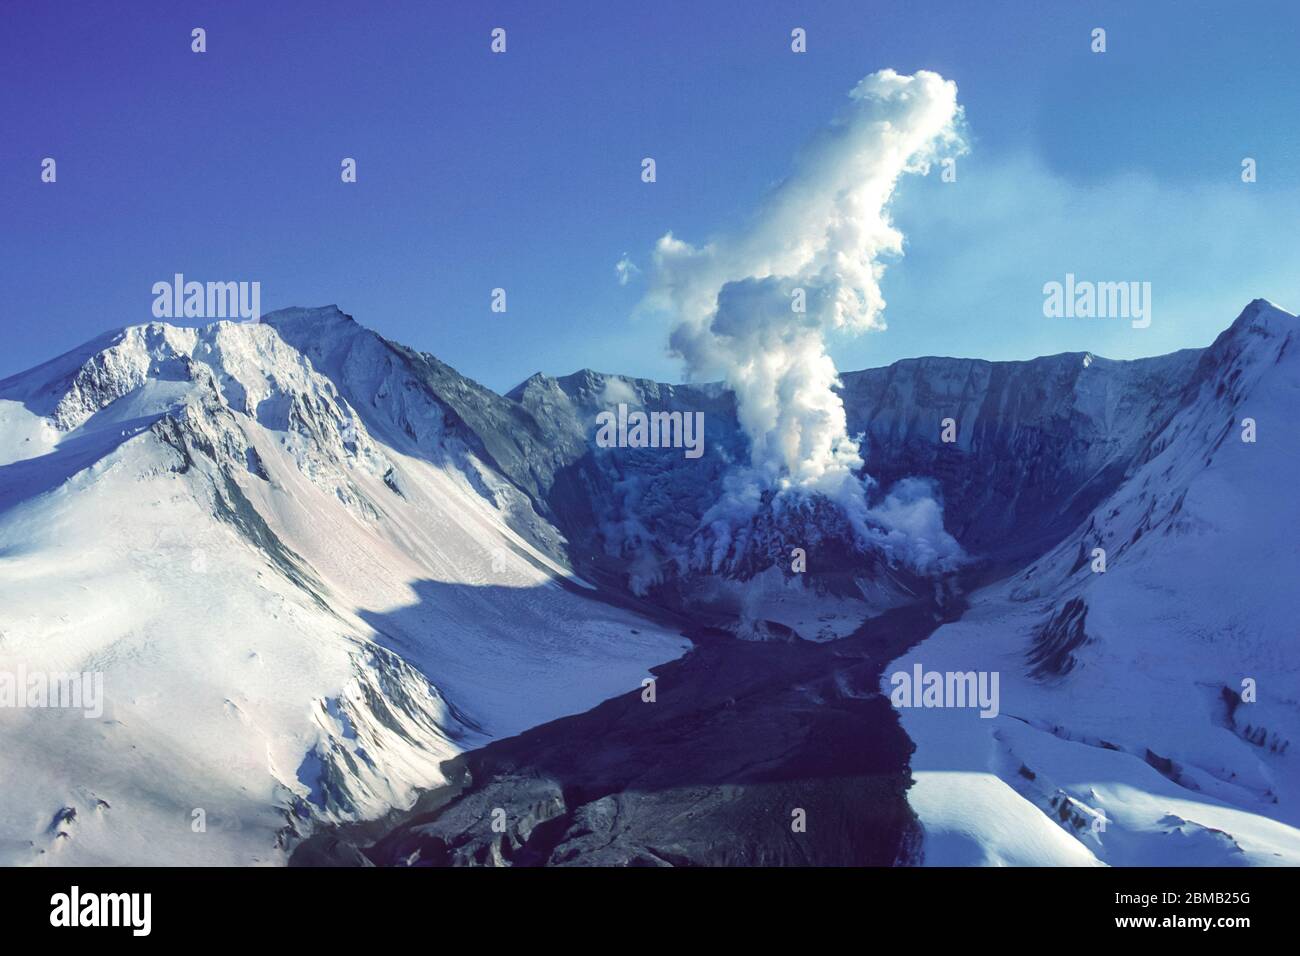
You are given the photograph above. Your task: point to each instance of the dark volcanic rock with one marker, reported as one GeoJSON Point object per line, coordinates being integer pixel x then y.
{"type": "Point", "coordinates": [742, 738]}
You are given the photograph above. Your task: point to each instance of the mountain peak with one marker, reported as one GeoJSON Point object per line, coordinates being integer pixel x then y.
{"type": "Point", "coordinates": [299, 316]}
{"type": "Point", "coordinates": [1257, 311]}
{"type": "Point", "coordinates": [1260, 322]}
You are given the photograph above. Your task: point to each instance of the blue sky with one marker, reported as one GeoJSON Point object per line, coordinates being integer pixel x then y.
{"type": "Point", "coordinates": [522, 170]}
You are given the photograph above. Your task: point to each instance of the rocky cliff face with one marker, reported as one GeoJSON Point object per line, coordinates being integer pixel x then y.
{"type": "Point", "coordinates": [1038, 443]}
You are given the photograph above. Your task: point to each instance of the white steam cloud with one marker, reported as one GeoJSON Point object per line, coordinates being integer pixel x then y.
{"type": "Point", "coordinates": [824, 231]}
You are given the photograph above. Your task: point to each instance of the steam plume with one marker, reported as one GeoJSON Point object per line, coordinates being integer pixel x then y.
{"type": "Point", "coordinates": [819, 237]}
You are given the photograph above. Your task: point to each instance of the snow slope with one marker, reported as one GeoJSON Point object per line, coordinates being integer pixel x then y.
{"type": "Point", "coordinates": [299, 606]}
{"type": "Point", "coordinates": [1123, 737]}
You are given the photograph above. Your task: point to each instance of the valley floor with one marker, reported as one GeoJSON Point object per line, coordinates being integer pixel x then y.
{"type": "Point", "coordinates": [752, 753]}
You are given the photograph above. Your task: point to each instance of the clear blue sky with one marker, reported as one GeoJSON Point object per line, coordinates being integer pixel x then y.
{"type": "Point", "coordinates": [523, 170]}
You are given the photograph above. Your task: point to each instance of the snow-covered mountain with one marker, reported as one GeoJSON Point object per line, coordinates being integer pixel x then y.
{"type": "Point", "coordinates": [300, 576]}
{"type": "Point", "coordinates": [1123, 736]}
{"type": "Point", "coordinates": [311, 565]}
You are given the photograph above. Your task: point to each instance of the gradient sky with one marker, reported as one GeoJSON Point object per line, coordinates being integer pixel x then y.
{"type": "Point", "coordinates": [523, 170]}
